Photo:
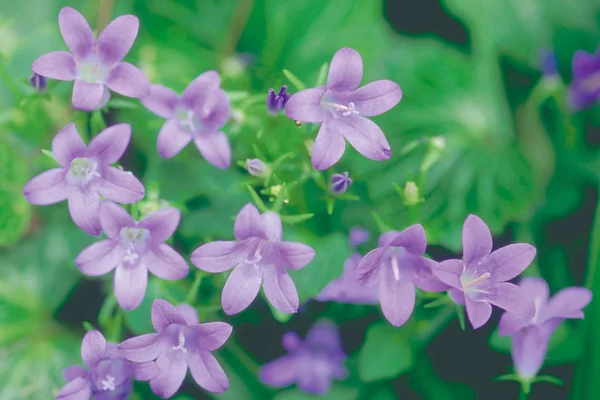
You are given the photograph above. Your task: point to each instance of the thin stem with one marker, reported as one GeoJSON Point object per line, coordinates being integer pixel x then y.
{"type": "Point", "coordinates": [193, 293]}
{"type": "Point", "coordinates": [89, 126]}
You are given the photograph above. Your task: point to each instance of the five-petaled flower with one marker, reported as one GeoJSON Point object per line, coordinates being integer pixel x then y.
{"type": "Point", "coordinates": [85, 174]}
{"type": "Point", "coordinates": [95, 65]}
{"type": "Point", "coordinates": [480, 278]}
{"type": "Point", "coordinates": [341, 109]}
{"type": "Point", "coordinates": [585, 87]}
{"type": "Point", "coordinates": [134, 248]}
{"type": "Point", "coordinates": [198, 115]}
{"type": "Point", "coordinates": [531, 335]}
{"type": "Point", "coordinates": [108, 375]}
{"type": "Point", "coordinates": [311, 364]}
{"type": "Point", "coordinates": [398, 266]}
{"type": "Point", "coordinates": [259, 257]}
{"type": "Point", "coordinates": [180, 342]}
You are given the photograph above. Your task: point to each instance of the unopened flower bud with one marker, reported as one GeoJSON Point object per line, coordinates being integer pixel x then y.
{"type": "Point", "coordinates": [438, 142]}
{"type": "Point", "coordinates": [276, 102]}
{"type": "Point", "coordinates": [340, 183]}
{"type": "Point", "coordinates": [411, 193]}
{"type": "Point", "coordinates": [38, 82]}
{"type": "Point", "coordinates": [256, 167]}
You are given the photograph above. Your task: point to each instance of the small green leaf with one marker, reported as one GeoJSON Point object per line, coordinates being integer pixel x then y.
{"type": "Point", "coordinates": [460, 312]}
{"type": "Point", "coordinates": [330, 204]}
{"type": "Point", "coordinates": [122, 104]}
{"type": "Point", "coordinates": [48, 153]}
{"type": "Point", "coordinates": [295, 219]}
{"type": "Point", "coordinates": [88, 326]}
{"type": "Point", "coordinates": [258, 202]}
{"type": "Point", "coordinates": [294, 79]}
{"type": "Point", "coordinates": [385, 354]}
{"type": "Point", "coordinates": [549, 379]}
{"type": "Point", "coordinates": [97, 122]}
{"type": "Point", "coordinates": [322, 75]}
{"type": "Point", "coordinates": [507, 377]}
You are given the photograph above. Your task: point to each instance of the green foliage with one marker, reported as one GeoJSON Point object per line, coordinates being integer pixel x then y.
{"type": "Point", "coordinates": [385, 354]}
{"type": "Point", "coordinates": [15, 212]}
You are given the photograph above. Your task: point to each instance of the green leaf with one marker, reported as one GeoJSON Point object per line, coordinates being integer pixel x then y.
{"type": "Point", "coordinates": [335, 393]}
{"type": "Point", "coordinates": [15, 211]}
{"type": "Point", "coordinates": [385, 354]}
{"type": "Point", "coordinates": [294, 79]}
{"type": "Point", "coordinates": [550, 379]}
{"type": "Point", "coordinates": [97, 122]}
{"type": "Point", "coordinates": [295, 219]}
{"type": "Point", "coordinates": [258, 202]}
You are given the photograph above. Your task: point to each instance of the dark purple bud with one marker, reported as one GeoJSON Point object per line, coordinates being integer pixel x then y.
{"type": "Point", "coordinates": [276, 102]}
{"type": "Point", "coordinates": [340, 183]}
{"type": "Point", "coordinates": [256, 167]}
{"type": "Point", "coordinates": [548, 61]}
{"type": "Point", "coordinates": [38, 82]}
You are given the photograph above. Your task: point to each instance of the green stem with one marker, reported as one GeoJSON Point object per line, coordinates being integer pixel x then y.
{"type": "Point", "coordinates": [193, 293]}
{"type": "Point", "coordinates": [89, 126]}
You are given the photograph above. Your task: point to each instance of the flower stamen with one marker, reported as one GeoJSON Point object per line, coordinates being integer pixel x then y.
{"type": "Point", "coordinates": [109, 383]}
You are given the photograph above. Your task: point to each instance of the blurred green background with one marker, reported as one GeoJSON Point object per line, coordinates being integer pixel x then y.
{"type": "Point", "coordinates": [480, 129]}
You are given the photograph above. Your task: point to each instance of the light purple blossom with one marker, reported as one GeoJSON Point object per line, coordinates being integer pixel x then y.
{"type": "Point", "coordinates": [479, 280]}
{"type": "Point", "coordinates": [531, 335]}
{"type": "Point", "coordinates": [260, 258]}
{"type": "Point", "coordinates": [95, 64]}
{"type": "Point", "coordinates": [341, 109]}
{"type": "Point", "coordinates": [108, 375]}
{"type": "Point", "coordinates": [180, 342]}
{"type": "Point", "coordinates": [585, 86]}
{"type": "Point", "coordinates": [276, 102]}
{"type": "Point", "coordinates": [347, 288]}
{"type": "Point", "coordinates": [358, 236]}
{"type": "Point", "coordinates": [311, 364]}
{"type": "Point", "coordinates": [198, 115]}
{"type": "Point", "coordinates": [340, 182]}
{"type": "Point", "coordinates": [132, 249]}
{"type": "Point", "coordinates": [85, 174]}
{"type": "Point", "coordinates": [398, 265]}
{"type": "Point", "coordinates": [256, 167]}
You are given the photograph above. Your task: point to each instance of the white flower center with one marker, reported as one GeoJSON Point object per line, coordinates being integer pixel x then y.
{"type": "Point", "coordinates": [471, 283]}
{"type": "Point", "coordinates": [181, 342]}
{"type": "Point", "coordinates": [108, 383]}
{"type": "Point", "coordinates": [187, 119]}
{"type": "Point", "coordinates": [134, 241]}
{"type": "Point", "coordinates": [82, 171]}
{"type": "Point", "coordinates": [91, 70]}
{"type": "Point", "coordinates": [254, 254]}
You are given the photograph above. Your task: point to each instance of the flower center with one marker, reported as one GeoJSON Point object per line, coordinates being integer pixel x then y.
{"type": "Point", "coordinates": [187, 119]}
{"type": "Point", "coordinates": [471, 284]}
{"type": "Point", "coordinates": [181, 341]}
{"type": "Point", "coordinates": [254, 252]}
{"type": "Point", "coordinates": [338, 106]}
{"type": "Point", "coordinates": [135, 242]}
{"type": "Point", "coordinates": [91, 70]}
{"type": "Point", "coordinates": [108, 383]}
{"type": "Point", "coordinates": [82, 171]}
{"type": "Point", "coordinates": [538, 305]}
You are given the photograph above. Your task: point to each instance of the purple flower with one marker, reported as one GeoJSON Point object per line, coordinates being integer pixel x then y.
{"type": "Point", "coordinates": [531, 335]}
{"type": "Point", "coordinates": [340, 108]}
{"type": "Point", "coordinates": [276, 102]}
{"type": "Point", "coordinates": [585, 87]}
{"type": "Point", "coordinates": [256, 167]}
{"type": "Point", "coordinates": [358, 236]}
{"type": "Point", "coordinates": [259, 257]}
{"type": "Point", "coordinates": [94, 65]}
{"type": "Point", "coordinates": [311, 364]}
{"type": "Point", "coordinates": [180, 342]}
{"type": "Point", "coordinates": [85, 174]}
{"type": "Point", "coordinates": [347, 288]}
{"type": "Point", "coordinates": [134, 248]}
{"type": "Point", "coordinates": [479, 280]}
{"type": "Point", "coordinates": [108, 375]}
{"type": "Point", "coordinates": [398, 266]}
{"type": "Point", "coordinates": [196, 115]}
{"type": "Point", "coordinates": [38, 82]}
{"type": "Point", "coordinates": [340, 183]}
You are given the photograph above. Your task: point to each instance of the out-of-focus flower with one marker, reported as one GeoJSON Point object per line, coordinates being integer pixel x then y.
{"type": "Point", "coordinates": [108, 375]}
{"type": "Point", "coordinates": [479, 280]}
{"type": "Point", "coordinates": [347, 288]}
{"type": "Point", "coordinates": [398, 265]}
{"type": "Point", "coordinates": [531, 335]}
{"type": "Point", "coordinates": [134, 248]}
{"type": "Point", "coordinates": [180, 342]}
{"type": "Point", "coordinates": [340, 183]}
{"type": "Point", "coordinates": [85, 174]}
{"type": "Point", "coordinates": [95, 64]}
{"type": "Point", "coordinates": [256, 167]}
{"type": "Point", "coordinates": [341, 109]}
{"type": "Point", "coordinates": [548, 62]}
{"type": "Point", "coordinates": [311, 364]}
{"type": "Point", "coordinates": [198, 115]}
{"type": "Point", "coordinates": [585, 86]}
{"type": "Point", "coordinates": [259, 257]}
{"type": "Point", "coordinates": [358, 236]}
{"type": "Point", "coordinates": [38, 82]}
{"type": "Point", "coordinates": [276, 102]}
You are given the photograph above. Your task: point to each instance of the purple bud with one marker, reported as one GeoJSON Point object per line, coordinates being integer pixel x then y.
{"type": "Point", "coordinates": [340, 182]}
{"type": "Point", "coordinates": [38, 82]}
{"type": "Point", "coordinates": [548, 61]}
{"type": "Point", "coordinates": [276, 102]}
{"type": "Point", "coordinates": [256, 167]}
{"type": "Point", "coordinates": [358, 236]}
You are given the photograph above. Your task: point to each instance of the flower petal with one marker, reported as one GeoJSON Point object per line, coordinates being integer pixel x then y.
{"type": "Point", "coordinates": [47, 188]}
{"type": "Point", "coordinates": [199, 88]}
{"type": "Point", "coordinates": [214, 147]}
{"type": "Point", "coordinates": [476, 239]}
{"type": "Point", "coordinates": [413, 239]}
{"type": "Point", "coordinates": [345, 71]}
{"type": "Point", "coordinates": [280, 289]}
{"type": "Point", "coordinates": [280, 372]}
{"type": "Point", "coordinates": [305, 106]}
{"type": "Point", "coordinates": [529, 351]}
{"type": "Point", "coordinates": [397, 298]}
{"type": "Point", "coordinates": [449, 272]}
{"type": "Point", "coordinates": [93, 348]}
{"type": "Point", "coordinates": [424, 277]}
{"type": "Point", "coordinates": [127, 79]}
{"type": "Point", "coordinates": [568, 303]}
{"type": "Point", "coordinates": [584, 64]}
{"type": "Point", "coordinates": [161, 101]}
{"type": "Point", "coordinates": [130, 285]}
{"type": "Point", "coordinates": [87, 96]}
{"type": "Point", "coordinates": [536, 288]}
{"type": "Point", "coordinates": [508, 262]}
{"type": "Point", "coordinates": [84, 208]}
{"type": "Point", "coordinates": [376, 97]}
{"type": "Point", "coordinates": [206, 371]}
{"type": "Point", "coordinates": [144, 371]}
{"type": "Point", "coordinates": [58, 65]}
{"type": "Point", "coordinates": [161, 224]}
{"type": "Point", "coordinates": [173, 368]}
{"type": "Point", "coordinates": [172, 139]}
{"type": "Point", "coordinates": [76, 32]}
{"type": "Point", "coordinates": [511, 323]}
{"type": "Point", "coordinates": [164, 314]}
{"type": "Point", "coordinates": [164, 262]}
{"type": "Point", "coordinates": [74, 371]}
{"type": "Point", "coordinates": [329, 146]}
{"type": "Point", "coordinates": [67, 145]}
{"type": "Point", "coordinates": [457, 296]}
{"type": "Point", "coordinates": [511, 298]}
{"type": "Point", "coordinates": [110, 144]}
{"type": "Point", "coordinates": [241, 288]}
{"type": "Point", "coordinates": [218, 256]}
{"type": "Point", "coordinates": [113, 218]}
{"type": "Point", "coordinates": [272, 226]}
{"type": "Point", "coordinates": [116, 39]}
{"type": "Point", "coordinates": [248, 223]}
{"type": "Point", "coordinates": [121, 186]}
{"type": "Point", "coordinates": [212, 335]}
{"type": "Point", "coordinates": [479, 312]}
{"type": "Point", "coordinates": [364, 135]}
{"type": "Point", "coordinates": [213, 112]}
{"type": "Point", "coordinates": [369, 268]}
{"type": "Point", "coordinates": [188, 313]}
{"type": "Point", "coordinates": [294, 255]}
{"type": "Point", "coordinates": [78, 389]}
{"type": "Point", "coordinates": [99, 258]}
{"type": "Point", "coordinates": [142, 348]}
